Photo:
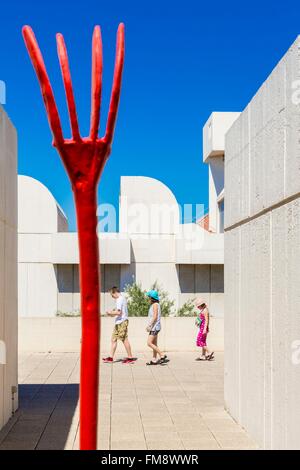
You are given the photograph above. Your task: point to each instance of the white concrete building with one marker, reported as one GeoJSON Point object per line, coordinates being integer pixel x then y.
{"type": "Point", "coordinates": [151, 245]}
{"type": "Point", "coordinates": [213, 154]}
{"type": "Point", "coordinates": [262, 260]}
{"type": "Point", "coordinates": [8, 269]}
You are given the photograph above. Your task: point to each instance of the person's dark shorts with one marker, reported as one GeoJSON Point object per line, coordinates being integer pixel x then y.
{"type": "Point", "coordinates": [154, 332]}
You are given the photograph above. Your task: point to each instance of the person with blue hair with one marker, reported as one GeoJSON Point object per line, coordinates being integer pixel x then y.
{"type": "Point", "coordinates": [153, 328]}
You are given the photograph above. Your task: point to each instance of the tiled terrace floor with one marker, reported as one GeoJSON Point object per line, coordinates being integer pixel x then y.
{"type": "Point", "coordinates": [176, 406]}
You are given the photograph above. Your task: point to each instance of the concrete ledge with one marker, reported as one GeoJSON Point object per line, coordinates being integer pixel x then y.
{"type": "Point", "coordinates": [63, 334]}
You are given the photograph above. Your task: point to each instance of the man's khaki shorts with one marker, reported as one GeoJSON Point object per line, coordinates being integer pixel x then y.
{"type": "Point", "coordinates": [120, 331]}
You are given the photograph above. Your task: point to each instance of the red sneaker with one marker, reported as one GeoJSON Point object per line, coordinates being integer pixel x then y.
{"type": "Point", "coordinates": [128, 360]}
{"type": "Point", "coordinates": [107, 359]}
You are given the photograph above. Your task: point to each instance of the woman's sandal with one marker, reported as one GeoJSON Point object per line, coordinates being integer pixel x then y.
{"type": "Point", "coordinates": [151, 363]}
{"type": "Point", "coordinates": [164, 359]}
{"type": "Point", "coordinates": [210, 356]}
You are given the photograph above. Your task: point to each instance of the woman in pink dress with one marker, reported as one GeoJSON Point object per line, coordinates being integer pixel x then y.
{"type": "Point", "coordinates": [202, 322]}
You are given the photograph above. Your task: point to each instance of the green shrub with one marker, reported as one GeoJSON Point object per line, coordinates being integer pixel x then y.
{"type": "Point", "coordinates": [187, 309]}
{"type": "Point", "coordinates": [138, 302]}
{"type": "Point", "coordinates": [75, 313]}
{"type": "Point", "coordinates": [166, 304]}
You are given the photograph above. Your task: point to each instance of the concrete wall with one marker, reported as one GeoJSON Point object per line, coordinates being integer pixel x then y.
{"type": "Point", "coordinates": [62, 295]}
{"type": "Point", "coordinates": [8, 267]}
{"type": "Point", "coordinates": [262, 260]}
{"type": "Point", "coordinates": [63, 334]}
{"type": "Point", "coordinates": [204, 280]}
{"type": "Point", "coordinates": [68, 290]}
{"type": "Point", "coordinates": [216, 186]}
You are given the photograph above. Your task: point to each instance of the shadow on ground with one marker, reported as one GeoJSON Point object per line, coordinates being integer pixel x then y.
{"type": "Point", "coordinates": [46, 418]}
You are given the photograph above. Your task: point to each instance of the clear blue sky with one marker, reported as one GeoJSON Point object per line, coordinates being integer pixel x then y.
{"type": "Point", "coordinates": [184, 59]}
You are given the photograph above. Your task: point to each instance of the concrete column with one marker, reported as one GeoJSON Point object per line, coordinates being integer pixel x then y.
{"type": "Point", "coordinates": [8, 267]}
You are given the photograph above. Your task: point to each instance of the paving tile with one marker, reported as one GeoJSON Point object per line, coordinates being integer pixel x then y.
{"type": "Point", "coordinates": [123, 445]}
{"type": "Point", "coordinates": [128, 436]}
{"type": "Point", "coordinates": [164, 436]}
{"type": "Point", "coordinates": [11, 444]}
{"type": "Point", "coordinates": [123, 430]}
{"type": "Point", "coordinates": [103, 445]}
{"type": "Point", "coordinates": [165, 445]}
{"type": "Point", "coordinates": [191, 427]}
{"type": "Point", "coordinates": [220, 425]}
{"type": "Point", "coordinates": [159, 430]}
{"type": "Point", "coordinates": [184, 420]}
{"type": "Point", "coordinates": [155, 415]}
{"type": "Point", "coordinates": [163, 425]}
{"type": "Point", "coordinates": [165, 421]}
{"type": "Point", "coordinates": [241, 447]}
{"type": "Point", "coordinates": [198, 435]}
{"type": "Point", "coordinates": [232, 439]}
{"type": "Point", "coordinates": [201, 445]}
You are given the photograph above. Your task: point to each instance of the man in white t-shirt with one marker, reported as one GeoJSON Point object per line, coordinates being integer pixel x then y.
{"type": "Point", "coordinates": [120, 331]}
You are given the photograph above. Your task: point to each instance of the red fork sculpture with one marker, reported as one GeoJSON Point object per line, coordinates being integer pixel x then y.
{"type": "Point", "coordinates": [84, 160]}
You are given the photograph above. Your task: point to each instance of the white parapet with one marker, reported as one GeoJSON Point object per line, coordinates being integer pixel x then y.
{"type": "Point", "coordinates": [214, 132]}
{"type": "Point", "coordinates": [113, 249]}
{"type": "Point", "coordinates": [147, 207]}
{"type": "Point", "coordinates": [38, 211]}
{"type": "Point", "coordinates": [64, 334]}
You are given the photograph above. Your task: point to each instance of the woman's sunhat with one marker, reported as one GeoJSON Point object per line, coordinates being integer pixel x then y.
{"type": "Point", "coordinates": [199, 302]}
{"type": "Point", "coordinates": [153, 294]}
